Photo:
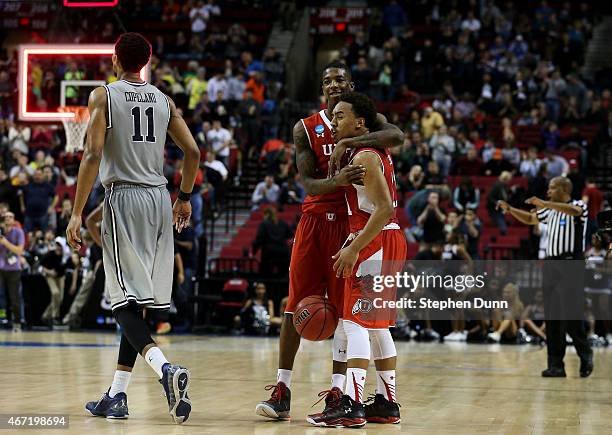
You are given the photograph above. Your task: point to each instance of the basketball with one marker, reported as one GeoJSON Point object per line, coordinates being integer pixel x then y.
{"type": "Point", "coordinates": [315, 318]}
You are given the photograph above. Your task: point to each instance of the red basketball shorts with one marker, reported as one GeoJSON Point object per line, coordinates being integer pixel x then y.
{"type": "Point", "coordinates": [317, 238]}
{"type": "Point", "coordinates": [364, 294]}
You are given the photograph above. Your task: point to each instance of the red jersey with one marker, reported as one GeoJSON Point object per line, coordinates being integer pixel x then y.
{"type": "Point", "coordinates": [359, 206]}
{"type": "Point", "coordinates": [318, 130]}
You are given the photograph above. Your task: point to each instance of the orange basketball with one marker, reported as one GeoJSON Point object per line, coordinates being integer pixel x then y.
{"type": "Point", "coordinates": [315, 318]}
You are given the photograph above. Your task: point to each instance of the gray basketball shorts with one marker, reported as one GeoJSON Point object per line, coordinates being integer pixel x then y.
{"type": "Point", "coordinates": [138, 245]}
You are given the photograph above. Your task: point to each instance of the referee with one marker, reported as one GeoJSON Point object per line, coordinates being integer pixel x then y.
{"type": "Point", "coordinates": [563, 280]}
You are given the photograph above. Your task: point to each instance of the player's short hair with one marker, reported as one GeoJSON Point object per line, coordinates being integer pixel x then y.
{"type": "Point", "coordinates": [338, 64]}
{"type": "Point", "coordinates": [363, 107]}
{"type": "Point", "coordinates": [133, 51]}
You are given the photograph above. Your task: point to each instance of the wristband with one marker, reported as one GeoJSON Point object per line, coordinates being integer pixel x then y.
{"type": "Point", "coordinates": [184, 196]}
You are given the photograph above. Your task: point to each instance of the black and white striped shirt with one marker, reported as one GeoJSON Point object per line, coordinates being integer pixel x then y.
{"type": "Point", "coordinates": [565, 233]}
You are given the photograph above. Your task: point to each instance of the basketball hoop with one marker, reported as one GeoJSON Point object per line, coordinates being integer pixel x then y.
{"type": "Point", "coordinates": [75, 127]}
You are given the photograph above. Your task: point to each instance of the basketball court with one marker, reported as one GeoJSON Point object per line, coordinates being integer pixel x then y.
{"type": "Point", "coordinates": [443, 388]}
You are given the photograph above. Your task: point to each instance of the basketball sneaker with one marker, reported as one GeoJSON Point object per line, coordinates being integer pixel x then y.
{"type": "Point", "coordinates": [109, 407]}
{"type": "Point", "coordinates": [332, 398]}
{"type": "Point", "coordinates": [381, 410]}
{"type": "Point", "coordinates": [345, 413]}
{"type": "Point", "coordinates": [175, 381]}
{"type": "Point", "coordinates": [278, 405]}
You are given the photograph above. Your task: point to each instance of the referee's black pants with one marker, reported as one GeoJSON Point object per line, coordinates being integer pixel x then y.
{"type": "Point", "coordinates": [564, 305]}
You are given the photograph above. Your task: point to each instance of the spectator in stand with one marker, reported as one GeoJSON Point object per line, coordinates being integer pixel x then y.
{"type": "Point", "coordinates": [220, 109]}
{"type": "Point", "coordinates": [272, 237]}
{"type": "Point", "coordinates": [499, 192]}
{"type": "Point", "coordinates": [394, 17]}
{"type": "Point", "coordinates": [470, 164]}
{"type": "Point", "coordinates": [362, 75]}
{"type": "Point", "coordinates": [551, 137]}
{"type": "Point", "coordinates": [433, 177]}
{"type": "Point", "coordinates": [212, 164]}
{"type": "Point", "coordinates": [215, 84]}
{"type": "Point", "coordinates": [249, 110]}
{"type": "Point", "coordinates": [466, 196]}
{"type": "Point", "coordinates": [416, 179]}
{"type": "Point", "coordinates": [220, 139]}
{"type": "Point", "coordinates": [430, 123]}
{"type": "Point", "coordinates": [199, 16]}
{"type": "Point", "coordinates": [53, 269]}
{"type": "Point", "coordinates": [256, 86]}
{"type": "Point", "coordinates": [12, 242]}
{"type": "Point", "coordinates": [21, 168]}
{"type": "Point", "coordinates": [39, 160]}
{"type": "Point", "coordinates": [470, 226]}
{"type": "Point", "coordinates": [530, 165]}
{"type": "Point", "coordinates": [266, 192]}
{"type": "Point", "coordinates": [431, 220]}
{"type": "Point", "coordinates": [202, 111]}
{"type": "Point", "coordinates": [292, 192]}
{"type": "Point", "coordinates": [593, 197]}
{"type": "Point", "coordinates": [197, 87]}
{"type": "Point", "coordinates": [19, 137]}
{"type": "Point", "coordinates": [442, 147]}
{"type": "Point", "coordinates": [38, 200]}
{"type": "Point", "coordinates": [272, 153]}
{"type": "Point", "coordinates": [511, 154]}
{"type": "Point", "coordinates": [554, 90]}
{"type": "Point", "coordinates": [236, 87]}
{"type": "Point", "coordinates": [63, 217]}
{"type": "Point", "coordinates": [555, 165]}
{"type": "Point", "coordinates": [471, 23]}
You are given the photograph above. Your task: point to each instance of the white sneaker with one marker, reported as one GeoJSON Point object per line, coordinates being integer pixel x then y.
{"type": "Point", "coordinates": [494, 336]}
{"type": "Point", "coordinates": [453, 336]}
{"type": "Point", "coordinates": [609, 337]}
{"type": "Point", "coordinates": [568, 339]}
{"type": "Point", "coordinates": [433, 334]}
{"type": "Point", "coordinates": [463, 335]}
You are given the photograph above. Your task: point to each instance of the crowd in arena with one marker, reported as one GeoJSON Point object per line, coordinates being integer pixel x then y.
{"type": "Point", "coordinates": [487, 89]}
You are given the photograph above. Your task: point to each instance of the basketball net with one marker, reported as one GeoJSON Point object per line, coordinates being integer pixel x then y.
{"type": "Point", "coordinates": [75, 127]}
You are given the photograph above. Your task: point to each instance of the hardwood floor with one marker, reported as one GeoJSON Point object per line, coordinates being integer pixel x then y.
{"type": "Point", "coordinates": [443, 388]}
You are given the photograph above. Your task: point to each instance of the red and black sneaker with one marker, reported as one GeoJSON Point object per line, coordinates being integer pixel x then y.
{"type": "Point", "coordinates": [331, 399]}
{"type": "Point", "coordinates": [344, 413]}
{"type": "Point", "coordinates": [382, 410]}
{"type": "Point", "coordinates": [278, 405]}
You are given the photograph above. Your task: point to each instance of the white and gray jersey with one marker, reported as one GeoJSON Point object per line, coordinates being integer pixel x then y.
{"type": "Point", "coordinates": [137, 119]}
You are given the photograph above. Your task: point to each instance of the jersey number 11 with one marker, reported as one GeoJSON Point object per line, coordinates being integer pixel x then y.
{"type": "Point", "coordinates": [137, 136]}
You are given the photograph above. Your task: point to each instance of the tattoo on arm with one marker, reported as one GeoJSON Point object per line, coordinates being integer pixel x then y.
{"type": "Point", "coordinates": [307, 164]}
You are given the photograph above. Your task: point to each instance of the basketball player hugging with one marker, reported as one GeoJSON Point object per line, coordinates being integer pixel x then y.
{"type": "Point", "coordinates": [376, 246]}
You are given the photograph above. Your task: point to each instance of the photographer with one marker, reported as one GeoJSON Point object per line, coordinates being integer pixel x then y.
{"type": "Point", "coordinates": [12, 240]}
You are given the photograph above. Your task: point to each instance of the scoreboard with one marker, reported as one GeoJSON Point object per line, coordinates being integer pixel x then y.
{"type": "Point", "coordinates": [331, 21]}
{"type": "Point", "coordinates": [90, 3]}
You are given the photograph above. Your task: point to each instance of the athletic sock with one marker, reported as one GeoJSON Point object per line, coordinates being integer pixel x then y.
{"type": "Point", "coordinates": [339, 381]}
{"type": "Point", "coordinates": [121, 380]}
{"type": "Point", "coordinates": [156, 359]}
{"type": "Point", "coordinates": [284, 376]}
{"type": "Point", "coordinates": [385, 384]}
{"type": "Point", "coordinates": [355, 382]}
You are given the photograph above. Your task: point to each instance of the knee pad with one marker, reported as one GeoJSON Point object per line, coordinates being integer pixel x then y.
{"type": "Point", "coordinates": [339, 344]}
{"type": "Point", "coordinates": [358, 341]}
{"type": "Point", "coordinates": [382, 343]}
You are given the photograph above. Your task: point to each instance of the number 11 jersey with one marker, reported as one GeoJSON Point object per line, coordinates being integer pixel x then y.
{"type": "Point", "coordinates": [137, 118]}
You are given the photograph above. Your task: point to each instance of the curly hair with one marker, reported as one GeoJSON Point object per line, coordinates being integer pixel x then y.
{"type": "Point", "coordinates": [133, 51]}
